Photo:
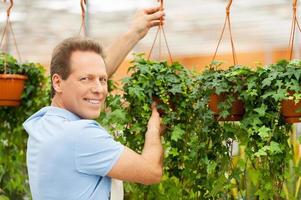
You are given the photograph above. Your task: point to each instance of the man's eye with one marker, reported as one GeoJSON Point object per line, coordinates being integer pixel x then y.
{"type": "Point", "coordinates": [83, 79]}
{"type": "Point", "coordinates": [103, 80]}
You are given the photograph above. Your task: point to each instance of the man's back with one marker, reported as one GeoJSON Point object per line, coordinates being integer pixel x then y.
{"type": "Point", "coordinates": [68, 157]}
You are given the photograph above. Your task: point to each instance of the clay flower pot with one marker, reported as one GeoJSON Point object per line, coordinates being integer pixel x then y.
{"type": "Point", "coordinates": [237, 109]}
{"type": "Point", "coordinates": [11, 89]}
{"type": "Point", "coordinates": [290, 111]}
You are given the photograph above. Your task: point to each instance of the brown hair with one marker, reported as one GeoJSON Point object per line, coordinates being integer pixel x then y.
{"type": "Point", "coordinates": [60, 60]}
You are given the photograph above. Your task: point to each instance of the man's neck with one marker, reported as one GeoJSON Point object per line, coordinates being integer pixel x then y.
{"type": "Point", "coordinates": [56, 101]}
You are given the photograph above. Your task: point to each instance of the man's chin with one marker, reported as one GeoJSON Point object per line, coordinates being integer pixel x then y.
{"type": "Point", "coordinates": [93, 116]}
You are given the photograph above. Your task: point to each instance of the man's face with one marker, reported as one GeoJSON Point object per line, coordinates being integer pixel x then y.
{"type": "Point", "coordinates": [85, 90]}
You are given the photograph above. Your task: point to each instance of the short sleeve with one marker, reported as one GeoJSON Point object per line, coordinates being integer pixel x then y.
{"type": "Point", "coordinates": [96, 151]}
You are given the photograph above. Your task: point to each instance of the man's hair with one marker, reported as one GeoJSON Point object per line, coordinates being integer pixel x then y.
{"type": "Point", "coordinates": [60, 60]}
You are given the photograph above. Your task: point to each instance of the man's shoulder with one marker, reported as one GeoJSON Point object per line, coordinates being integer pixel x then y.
{"type": "Point", "coordinates": [84, 126]}
{"type": "Point", "coordinates": [85, 123]}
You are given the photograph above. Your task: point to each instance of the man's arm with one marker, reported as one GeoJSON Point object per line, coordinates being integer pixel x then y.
{"type": "Point", "coordinates": [143, 21]}
{"type": "Point", "coordinates": [146, 168]}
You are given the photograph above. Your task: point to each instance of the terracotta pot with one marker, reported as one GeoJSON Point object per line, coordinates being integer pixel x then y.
{"type": "Point", "coordinates": [237, 109]}
{"type": "Point", "coordinates": [11, 89]}
{"type": "Point", "coordinates": [289, 111]}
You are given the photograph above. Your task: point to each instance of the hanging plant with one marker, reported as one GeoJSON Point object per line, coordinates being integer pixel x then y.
{"type": "Point", "coordinates": [12, 80]}
{"type": "Point", "coordinates": [287, 80]}
{"type": "Point", "coordinates": [171, 85]}
{"type": "Point", "coordinates": [13, 138]}
{"type": "Point", "coordinates": [222, 88]}
{"type": "Point", "coordinates": [267, 150]}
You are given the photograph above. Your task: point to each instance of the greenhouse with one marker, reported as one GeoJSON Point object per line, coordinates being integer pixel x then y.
{"type": "Point", "coordinates": [150, 99]}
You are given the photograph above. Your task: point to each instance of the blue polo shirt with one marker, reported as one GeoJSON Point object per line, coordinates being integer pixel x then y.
{"type": "Point", "coordinates": [68, 158]}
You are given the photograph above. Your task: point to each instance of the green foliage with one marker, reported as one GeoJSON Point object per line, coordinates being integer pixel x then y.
{"type": "Point", "coordinates": [170, 86]}
{"type": "Point", "coordinates": [217, 138]}
{"type": "Point", "coordinates": [267, 143]}
{"type": "Point", "coordinates": [13, 138]}
{"type": "Point", "coordinates": [198, 149]}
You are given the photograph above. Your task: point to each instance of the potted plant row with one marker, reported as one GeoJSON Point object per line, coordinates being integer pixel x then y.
{"type": "Point", "coordinates": [280, 81]}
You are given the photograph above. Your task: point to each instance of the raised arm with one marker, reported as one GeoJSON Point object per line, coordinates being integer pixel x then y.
{"type": "Point", "coordinates": [146, 168]}
{"type": "Point", "coordinates": [143, 21]}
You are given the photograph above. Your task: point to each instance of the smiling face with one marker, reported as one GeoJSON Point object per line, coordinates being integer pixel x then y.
{"type": "Point", "coordinates": [85, 89]}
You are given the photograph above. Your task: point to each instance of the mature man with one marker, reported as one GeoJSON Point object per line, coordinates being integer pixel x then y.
{"type": "Point", "coordinates": [69, 155]}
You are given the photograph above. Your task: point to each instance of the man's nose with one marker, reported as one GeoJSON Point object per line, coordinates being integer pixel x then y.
{"type": "Point", "coordinates": [98, 87]}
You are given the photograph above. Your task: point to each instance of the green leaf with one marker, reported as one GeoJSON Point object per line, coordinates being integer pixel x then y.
{"type": "Point", "coordinates": [254, 176]}
{"type": "Point", "coordinates": [177, 133]}
{"type": "Point", "coordinates": [275, 148]}
{"type": "Point", "coordinates": [211, 167]}
{"type": "Point", "coordinates": [2, 197]}
{"type": "Point", "coordinates": [279, 94]}
{"type": "Point", "coordinates": [261, 152]}
{"type": "Point", "coordinates": [261, 111]}
{"type": "Point", "coordinates": [176, 89]}
{"type": "Point", "coordinates": [267, 82]}
{"type": "Point", "coordinates": [264, 132]}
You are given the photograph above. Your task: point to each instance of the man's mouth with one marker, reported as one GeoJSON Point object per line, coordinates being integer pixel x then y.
{"type": "Point", "coordinates": [93, 101]}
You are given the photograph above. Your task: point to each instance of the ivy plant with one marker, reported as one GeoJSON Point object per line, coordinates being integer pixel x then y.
{"type": "Point", "coordinates": [171, 86]}
{"type": "Point", "coordinates": [199, 161]}
{"type": "Point", "coordinates": [267, 145]}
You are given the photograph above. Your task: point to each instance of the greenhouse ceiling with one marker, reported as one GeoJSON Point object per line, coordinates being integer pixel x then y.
{"type": "Point", "coordinates": [192, 27]}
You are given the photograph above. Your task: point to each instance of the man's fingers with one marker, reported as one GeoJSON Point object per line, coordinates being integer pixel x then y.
{"type": "Point", "coordinates": [154, 105]}
{"type": "Point", "coordinates": [156, 16]}
{"type": "Point", "coordinates": [151, 10]}
{"type": "Point", "coordinates": [156, 23]}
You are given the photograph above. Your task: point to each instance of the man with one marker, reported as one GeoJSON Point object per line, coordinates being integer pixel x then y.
{"type": "Point", "coordinates": [69, 155]}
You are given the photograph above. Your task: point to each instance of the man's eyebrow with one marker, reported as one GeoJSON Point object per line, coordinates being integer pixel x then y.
{"type": "Point", "coordinates": [94, 75]}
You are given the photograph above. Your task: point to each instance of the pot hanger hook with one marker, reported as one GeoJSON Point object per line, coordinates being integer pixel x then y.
{"type": "Point", "coordinates": [82, 5]}
{"type": "Point", "coordinates": [10, 7]}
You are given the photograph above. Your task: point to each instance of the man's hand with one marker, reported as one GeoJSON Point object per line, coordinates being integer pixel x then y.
{"type": "Point", "coordinates": [145, 19]}
{"type": "Point", "coordinates": [146, 168]}
{"type": "Point", "coordinates": [154, 125]}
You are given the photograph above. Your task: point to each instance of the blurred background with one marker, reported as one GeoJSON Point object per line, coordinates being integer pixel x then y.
{"type": "Point", "coordinates": [261, 29]}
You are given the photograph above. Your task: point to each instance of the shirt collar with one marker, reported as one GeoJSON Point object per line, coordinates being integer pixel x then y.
{"type": "Point", "coordinates": [56, 111]}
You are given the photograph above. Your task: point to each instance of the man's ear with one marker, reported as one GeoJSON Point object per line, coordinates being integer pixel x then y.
{"type": "Point", "coordinates": [57, 83]}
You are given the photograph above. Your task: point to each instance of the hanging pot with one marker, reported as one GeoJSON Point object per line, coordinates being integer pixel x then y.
{"type": "Point", "coordinates": [237, 109]}
{"type": "Point", "coordinates": [290, 110]}
{"type": "Point", "coordinates": [11, 89]}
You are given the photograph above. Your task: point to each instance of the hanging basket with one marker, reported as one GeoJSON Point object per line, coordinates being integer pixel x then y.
{"type": "Point", "coordinates": [291, 111]}
{"type": "Point", "coordinates": [11, 87]}
{"type": "Point", "coordinates": [237, 109]}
